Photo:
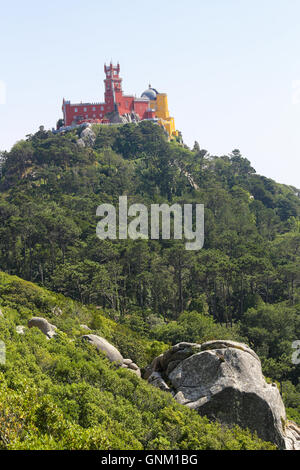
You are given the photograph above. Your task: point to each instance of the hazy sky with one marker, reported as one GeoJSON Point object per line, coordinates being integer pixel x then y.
{"type": "Point", "coordinates": [231, 68]}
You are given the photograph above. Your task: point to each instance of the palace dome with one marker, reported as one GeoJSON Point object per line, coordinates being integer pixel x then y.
{"type": "Point", "coordinates": [150, 94]}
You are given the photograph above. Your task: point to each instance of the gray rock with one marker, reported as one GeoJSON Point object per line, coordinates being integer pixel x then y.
{"type": "Point", "coordinates": [171, 366]}
{"type": "Point", "coordinates": [45, 327]}
{"type": "Point", "coordinates": [130, 365]}
{"type": "Point", "coordinates": [137, 372]}
{"type": "Point", "coordinates": [102, 345]}
{"type": "Point", "coordinates": [221, 344]}
{"type": "Point", "coordinates": [127, 361]}
{"type": "Point", "coordinates": [87, 138]}
{"type": "Point", "coordinates": [157, 380]}
{"type": "Point", "coordinates": [135, 117]}
{"type": "Point", "coordinates": [85, 327]}
{"type": "Point", "coordinates": [57, 311]}
{"type": "Point", "coordinates": [115, 118]}
{"type": "Point", "coordinates": [292, 432]}
{"type": "Point", "coordinates": [154, 366]}
{"type": "Point", "coordinates": [223, 380]}
{"type": "Point", "coordinates": [127, 366]}
{"type": "Point", "coordinates": [80, 143]}
{"type": "Point", "coordinates": [1, 314]}
{"type": "Point", "coordinates": [20, 329]}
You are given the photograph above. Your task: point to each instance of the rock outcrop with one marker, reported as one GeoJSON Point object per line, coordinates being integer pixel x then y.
{"type": "Point", "coordinates": [292, 433]}
{"type": "Point", "coordinates": [116, 118]}
{"type": "Point", "coordinates": [87, 137]}
{"type": "Point", "coordinates": [223, 380]}
{"type": "Point", "coordinates": [43, 324]}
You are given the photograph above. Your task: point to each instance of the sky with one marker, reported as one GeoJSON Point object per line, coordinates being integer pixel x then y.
{"type": "Point", "coordinates": [231, 69]}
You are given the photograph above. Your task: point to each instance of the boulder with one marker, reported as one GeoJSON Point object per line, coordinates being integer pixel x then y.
{"type": "Point", "coordinates": [223, 380]}
{"type": "Point", "coordinates": [136, 371]}
{"type": "Point", "coordinates": [1, 314]}
{"type": "Point", "coordinates": [43, 325]}
{"type": "Point", "coordinates": [102, 345]}
{"type": "Point", "coordinates": [127, 362]}
{"type": "Point", "coordinates": [157, 380]}
{"type": "Point", "coordinates": [221, 344]}
{"type": "Point", "coordinates": [85, 327]}
{"type": "Point", "coordinates": [130, 365]}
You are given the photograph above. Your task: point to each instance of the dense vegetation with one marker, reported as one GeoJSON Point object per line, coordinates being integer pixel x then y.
{"type": "Point", "coordinates": [62, 394]}
{"type": "Point", "coordinates": [244, 284]}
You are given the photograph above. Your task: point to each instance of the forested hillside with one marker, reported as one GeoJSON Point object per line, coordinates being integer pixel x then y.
{"type": "Point", "coordinates": [62, 394]}
{"type": "Point", "coordinates": [243, 285]}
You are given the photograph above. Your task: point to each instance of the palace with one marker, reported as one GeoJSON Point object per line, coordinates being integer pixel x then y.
{"type": "Point", "coordinates": [120, 108]}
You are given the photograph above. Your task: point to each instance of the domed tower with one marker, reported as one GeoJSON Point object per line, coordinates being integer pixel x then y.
{"type": "Point", "coordinates": [150, 94]}
{"type": "Point", "coordinates": [158, 104]}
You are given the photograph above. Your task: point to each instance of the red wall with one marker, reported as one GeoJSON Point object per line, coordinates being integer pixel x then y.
{"type": "Point", "coordinates": [86, 111]}
{"type": "Point", "coordinates": [140, 107]}
{"type": "Point", "coordinates": [78, 113]}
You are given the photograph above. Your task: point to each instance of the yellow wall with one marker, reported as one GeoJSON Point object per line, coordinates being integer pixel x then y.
{"type": "Point", "coordinates": [162, 113]}
{"type": "Point", "coordinates": [162, 106]}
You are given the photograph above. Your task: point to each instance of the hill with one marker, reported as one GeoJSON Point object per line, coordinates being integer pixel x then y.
{"type": "Point", "coordinates": [243, 285]}
{"type": "Point", "coordinates": [62, 394]}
